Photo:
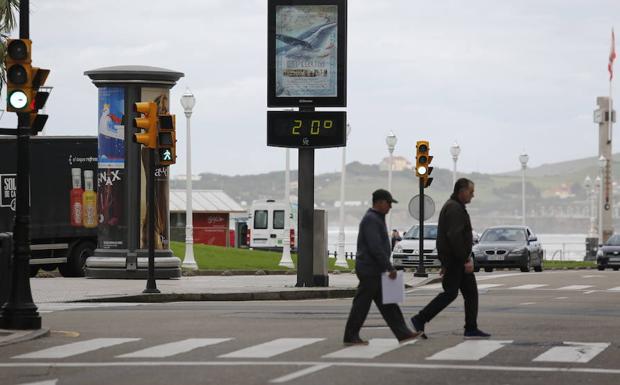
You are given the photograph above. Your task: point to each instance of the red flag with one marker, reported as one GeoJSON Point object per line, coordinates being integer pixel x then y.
{"type": "Point", "coordinates": [612, 55]}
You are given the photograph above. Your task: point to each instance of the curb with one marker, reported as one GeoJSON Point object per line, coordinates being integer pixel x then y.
{"type": "Point", "coordinates": [283, 295]}
{"type": "Point", "coordinates": [8, 337]}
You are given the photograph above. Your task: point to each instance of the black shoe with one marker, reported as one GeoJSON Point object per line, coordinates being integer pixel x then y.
{"type": "Point", "coordinates": [418, 326]}
{"type": "Point", "coordinates": [410, 338]}
{"type": "Point", "coordinates": [476, 333]}
{"type": "Point", "coordinates": [355, 341]}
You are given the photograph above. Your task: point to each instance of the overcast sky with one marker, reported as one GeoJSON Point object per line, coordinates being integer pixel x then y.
{"type": "Point", "coordinates": [498, 77]}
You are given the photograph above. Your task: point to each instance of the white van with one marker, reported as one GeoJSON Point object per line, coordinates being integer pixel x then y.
{"type": "Point", "coordinates": [266, 222]}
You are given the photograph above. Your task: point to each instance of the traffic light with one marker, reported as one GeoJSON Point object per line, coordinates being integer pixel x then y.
{"type": "Point", "coordinates": [147, 122]}
{"type": "Point", "coordinates": [24, 82]}
{"type": "Point", "coordinates": [167, 140]}
{"type": "Point", "coordinates": [423, 161]}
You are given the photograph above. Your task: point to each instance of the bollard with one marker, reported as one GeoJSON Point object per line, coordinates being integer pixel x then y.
{"type": "Point", "coordinates": [6, 254]}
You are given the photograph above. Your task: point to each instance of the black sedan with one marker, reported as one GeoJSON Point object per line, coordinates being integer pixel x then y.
{"type": "Point", "coordinates": [608, 254]}
{"type": "Point", "coordinates": [508, 246]}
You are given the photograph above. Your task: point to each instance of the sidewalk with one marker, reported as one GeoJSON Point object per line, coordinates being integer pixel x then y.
{"type": "Point", "coordinates": [198, 288]}
{"type": "Point", "coordinates": [194, 288]}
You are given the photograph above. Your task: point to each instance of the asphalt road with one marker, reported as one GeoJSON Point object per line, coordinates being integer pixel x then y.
{"type": "Point", "coordinates": [547, 328]}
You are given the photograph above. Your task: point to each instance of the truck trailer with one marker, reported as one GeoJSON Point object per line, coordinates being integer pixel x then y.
{"type": "Point", "coordinates": [63, 200]}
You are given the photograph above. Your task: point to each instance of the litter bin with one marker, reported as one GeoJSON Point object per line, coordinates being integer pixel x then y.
{"type": "Point", "coordinates": [6, 253]}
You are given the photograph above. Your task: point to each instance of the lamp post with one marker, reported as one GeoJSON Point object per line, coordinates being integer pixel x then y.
{"type": "Point", "coordinates": [286, 260]}
{"type": "Point", "coordinates": [390, 140]}
{"type": "Point", "coordinates": [188, 101]}
{"type": "Point", "coordinates": [341, 259]}
{"type": "Point", "coordinates": [455, 150]}
{"type": "Point", "coordinates": [602, 163]}
{"type": "Point", "coordinates": [523, 158]}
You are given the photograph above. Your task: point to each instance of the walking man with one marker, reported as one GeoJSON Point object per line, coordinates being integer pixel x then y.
{"type": "Point", "coordinates": [373, 259]}
{"type": "Point", "coordinates": [454, 243]}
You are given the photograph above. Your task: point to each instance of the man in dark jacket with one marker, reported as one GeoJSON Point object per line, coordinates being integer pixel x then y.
{"type": "Point", "coordinates": [454, 243]}
{"type": "Point", "coordinates": [371, 260]}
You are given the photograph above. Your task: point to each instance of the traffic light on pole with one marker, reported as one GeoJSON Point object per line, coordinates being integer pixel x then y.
{"type": "Point", "coordinates": [422, 162]}
{"type": "Point", "coordinates": [147, 122]}
{"type": "Point", "coordinates": [167, 140]}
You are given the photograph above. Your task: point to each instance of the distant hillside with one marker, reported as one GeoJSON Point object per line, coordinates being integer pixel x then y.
{"type": "Point", "coordinates": [556, 197]}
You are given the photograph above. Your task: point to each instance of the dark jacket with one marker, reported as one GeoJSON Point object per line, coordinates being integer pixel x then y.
{"type": "Point", "coordinates": [373, 245]}
{"type": "Point", "coordinates": [454, 233]}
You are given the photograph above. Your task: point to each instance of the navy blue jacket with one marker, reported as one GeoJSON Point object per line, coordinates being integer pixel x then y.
{"type": "Point", "coordinates": [373, 245]}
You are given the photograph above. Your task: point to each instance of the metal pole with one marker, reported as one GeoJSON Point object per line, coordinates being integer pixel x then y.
{"type": "Point", "coordinates": [389, 218]}
{"type": "Point", "coordinates": [151, 285]}
{"type": "Point", "coordinates": [305, 251]}
{"type": "Point", "coordinates": [523, 194]}
{"type": "Point", "coordinates": [286, 260]}
{"type": "Point", "coordinates": [189, 262]}
{"type": "Point", "coordinates": [454, 170]}
{"type": "Point", "coordinates": [600, 206]}
{"type": "Point", "coordinates": [341, 259]}
{"type": "Point", "coordinates": [421, 271]}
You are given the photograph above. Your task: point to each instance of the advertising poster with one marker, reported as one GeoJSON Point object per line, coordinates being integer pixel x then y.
{"type": "Point", "coordinates": [111, 128]}
{"type": "Point", "coordinates": [112, 229]}
{"type": "Point", "coordinates": [162, 218]}
{"type": "Point", "coordinates": [306, 62]}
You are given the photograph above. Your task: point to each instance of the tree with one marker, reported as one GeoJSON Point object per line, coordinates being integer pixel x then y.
{"type": "Point", "coordinates": [8, 9]}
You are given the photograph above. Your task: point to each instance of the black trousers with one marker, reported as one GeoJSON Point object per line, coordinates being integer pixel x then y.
{"type": "Point", "coordinates": [455, 279]}
{"type": "Point", "coordinates": [368, 290]}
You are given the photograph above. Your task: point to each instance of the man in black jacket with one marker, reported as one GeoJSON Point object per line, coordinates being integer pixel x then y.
{"type": "Point", "coordinates": [371, 260]}
{"type": "Point", "coordinates": [454, 243]}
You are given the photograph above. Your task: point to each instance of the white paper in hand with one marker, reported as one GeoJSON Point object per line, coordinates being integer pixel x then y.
{"type": "Point", "coordinates": [393, 289]}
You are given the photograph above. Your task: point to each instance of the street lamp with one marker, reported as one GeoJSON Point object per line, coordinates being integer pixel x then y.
{"type": "Point", "coordinates": [286, 260]}
{"type": "Point", "coordinates": [390, 140]}
{"type": "Point", "coordinates": [188, 101]}
{"type": "Point", "coordinates": [341, 259]}
{"type": "Point", "coordinates": [523, 158]}
{"type": "Point", "coordinates": [602, 163]}
{"type": "Point", "coordinates": [455, 150]}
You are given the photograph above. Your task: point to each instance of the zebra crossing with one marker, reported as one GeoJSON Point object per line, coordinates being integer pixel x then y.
{"type": "Point", "coordinates": [569, 352]}
{"type": "Point", "coordinates": [532, 286]}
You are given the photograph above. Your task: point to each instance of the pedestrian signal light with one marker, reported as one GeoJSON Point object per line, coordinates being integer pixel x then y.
{"type": "Point", "coordinates": [18, 67]}
{"type": "Point", "coordinates": [147, 122]}
{"type": "Point", "coordinates": [167, 141]}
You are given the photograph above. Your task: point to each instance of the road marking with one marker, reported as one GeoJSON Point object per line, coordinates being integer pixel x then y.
{"type": "Point", "coordinates": [614, 289]}
{"type": "Point", "coordinates": [76, 348]}
{"type": "Point", "coordinates": [527, 303]}
{"type": "Point", "coordinates": [561, 298]}
{"type": "Point", "coordinates": [476, 368]}
{"type": "Point", "coordinates": [527, 287]}
{"type": "Point", "coordinates": [300, 373]}
{"type": "Point", "coordinates": [173, 348]}
{"type": "Point", "coordinates": [272, 348]}
{"type": "Point", "coordinates": [581, 352]}
{"type": "Point", "coordinates": [487, 277]}
{"type": "Point", "coordinates": [590, 291]}
{"type": "Point", "coordinates": [489, 286]}
{"type": "Point", "coordinates": [48, 382]}
{"type": "Point", "coordinates": [470, 350]}
{"type": "Point", "coordinates": [575, 287]}
{"type": "Point", "coordinates": [375, 348]}
{"type": "Point", "coordinates": [592, 276]}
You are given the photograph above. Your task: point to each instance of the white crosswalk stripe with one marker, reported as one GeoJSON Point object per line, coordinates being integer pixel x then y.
{"type": "Point", "coordinates": [472, 350]}
{"type": "Point", "coordinates": [76, 348]}
{"type": "Point", "coordinates": [272, 348]}
{"type": "Point", "coordinates": [614, 289]}
{"type": "Point", "coordinates": [174, 348]}
{"type": "Point", "coordinates": [528, 287]}
{"type": "Point", "coordinates": [489, 286]}
{"type": "Point", "coordinates": [375, 348]}
{"type": "Point", "coordinates": [575, 287]}
{"type": "Point", "coordinates": [579, 352]}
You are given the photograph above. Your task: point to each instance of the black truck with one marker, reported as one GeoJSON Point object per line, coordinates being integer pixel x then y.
{"type": "Point", "coordinates": [63, 203]}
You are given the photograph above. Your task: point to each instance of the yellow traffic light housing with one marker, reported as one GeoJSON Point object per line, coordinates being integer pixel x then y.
{"type": "Point", "coordinates": [167, 141]}
{"type": "Point", "coordinates": [17, 62]}
{"type": "Point", "coordinates": [423, 161]}
{"type": "Point", "coordinates": [147, 122]}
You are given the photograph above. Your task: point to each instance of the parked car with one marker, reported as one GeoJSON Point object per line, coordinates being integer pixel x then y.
{"type": "Point", "coordinates": [508, 246]}
{"type": "Point", "coordinates": [405, 253]}
{"type": "Point", "coordinates": [608, 254]}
